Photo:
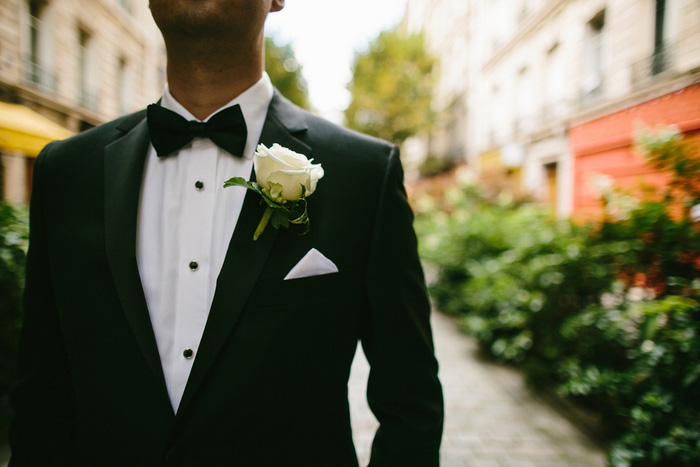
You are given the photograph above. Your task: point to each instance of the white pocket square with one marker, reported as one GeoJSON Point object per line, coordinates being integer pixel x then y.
{"type": "Point", "coordinates": [312, 264]}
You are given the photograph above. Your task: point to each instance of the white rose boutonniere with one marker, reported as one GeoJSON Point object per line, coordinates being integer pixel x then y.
{"type": "Point", "coordinates": [284, 179]}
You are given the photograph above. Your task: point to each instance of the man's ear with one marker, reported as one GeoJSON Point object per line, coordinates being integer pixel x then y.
{"type": "Point", "coordinates": [276, 5]}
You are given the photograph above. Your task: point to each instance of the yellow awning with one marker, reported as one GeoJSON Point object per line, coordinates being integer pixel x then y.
{"type": "Point", "coordinates": [22, 129]}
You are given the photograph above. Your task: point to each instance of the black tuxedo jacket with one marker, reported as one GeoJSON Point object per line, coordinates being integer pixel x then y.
{"type": "Point", "coordinates": [269, 383]}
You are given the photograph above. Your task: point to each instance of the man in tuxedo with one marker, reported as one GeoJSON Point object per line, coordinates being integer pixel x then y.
{"type": "Point", "coordinates": [157, 332]}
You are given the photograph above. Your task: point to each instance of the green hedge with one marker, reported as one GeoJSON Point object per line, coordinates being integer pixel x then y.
{"type": "Point", "coordinates": [13, 247]}
{"type": "Point", "coordinates": [606, 314]}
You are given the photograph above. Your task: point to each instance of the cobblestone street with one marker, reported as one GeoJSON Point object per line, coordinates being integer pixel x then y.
{"type": "Point", "coordinates": [491, 418]}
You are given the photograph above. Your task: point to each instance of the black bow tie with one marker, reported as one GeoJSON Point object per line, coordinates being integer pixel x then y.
{"type": "Point", "coordinates": [170, 132]}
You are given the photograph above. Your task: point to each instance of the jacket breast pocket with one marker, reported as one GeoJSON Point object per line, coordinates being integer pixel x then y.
{"type": "Point", "coordinates": [333, 288]}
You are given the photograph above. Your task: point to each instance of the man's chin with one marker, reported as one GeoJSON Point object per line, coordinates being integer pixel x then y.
{"type": "Point", "coordinates": [197, 19]}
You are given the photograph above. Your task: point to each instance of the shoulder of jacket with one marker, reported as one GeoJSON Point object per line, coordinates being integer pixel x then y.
{"type": "Point", "coordinates": [88, 143]}
{"type": "Point", "coordinates": [103, 133]}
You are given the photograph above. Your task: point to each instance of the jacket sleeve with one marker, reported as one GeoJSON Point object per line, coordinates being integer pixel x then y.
{"type": "Point", "coordinates": [403, 390]}
{"type": "Point", "coordinates": [41, 432]}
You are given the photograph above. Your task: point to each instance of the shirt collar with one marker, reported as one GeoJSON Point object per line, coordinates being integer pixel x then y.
{"type": "Point", "coordinates": [254, 103]}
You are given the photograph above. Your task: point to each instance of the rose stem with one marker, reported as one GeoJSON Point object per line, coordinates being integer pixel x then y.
{"type": "Point", "coordinates": [263, 223]}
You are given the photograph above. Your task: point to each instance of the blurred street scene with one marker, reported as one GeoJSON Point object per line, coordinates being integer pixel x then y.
{"type": "Point", "coordinates": [66, 66]}
{"type": "Point", "coordinates": [537, 94]}
{"type": "Point", "coordinates": [558, 203]}
{"type": "Point", "coordinates": [551, 151]}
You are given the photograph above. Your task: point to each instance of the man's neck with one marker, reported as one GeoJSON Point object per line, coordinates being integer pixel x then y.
{"type": "Point", "coordinates": [204, 80]}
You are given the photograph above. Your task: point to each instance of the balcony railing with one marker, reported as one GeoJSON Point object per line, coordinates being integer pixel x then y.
{"type": "Point", "coordinates": [543, 118]}
{"type": "Point", "coordinates": [39, 75]}
{"type": "Point", "coordinates": [658, 63]}
{"type": "Point", "coordinates": [87, 98]}
{"type": "Point", "coordinates": [554, 111]}
{"type": "Point", "coordinates": [589, 97]}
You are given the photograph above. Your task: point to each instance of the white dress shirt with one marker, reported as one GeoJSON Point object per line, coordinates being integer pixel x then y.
{"type": "Point", "coordinates": [186, 219]}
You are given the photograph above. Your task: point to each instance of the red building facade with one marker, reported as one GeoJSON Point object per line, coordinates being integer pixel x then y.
{"type": "Point", "coordinates": [605, 145]}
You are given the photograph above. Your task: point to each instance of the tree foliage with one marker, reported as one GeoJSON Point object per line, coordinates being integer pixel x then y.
{"type": "Point", "coordinates": [392, 87]}
{"type": "Point", "coordinates": [286, 73]}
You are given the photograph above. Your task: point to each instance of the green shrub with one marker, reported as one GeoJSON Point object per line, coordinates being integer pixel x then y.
{"type": "Point", "coordinates": [607, 314]}
{"type": "Point", "coordinates": [13, 245]}
{"type": "Point", "coordinates": [638, 359]}
{"type": "Point", "coordinates": [514, 273]}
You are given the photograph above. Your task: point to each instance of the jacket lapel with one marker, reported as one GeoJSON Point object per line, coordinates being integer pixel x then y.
{"type": "Point", "coordinates": [124, 162]}
{"type": "Point", "coordinates": [245, 258]}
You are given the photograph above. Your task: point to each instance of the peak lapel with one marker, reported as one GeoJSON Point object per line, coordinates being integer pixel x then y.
{"type": "Point", "coordinates": [124, 162]}
{"type": "Point", "coordinates": [245, 258]}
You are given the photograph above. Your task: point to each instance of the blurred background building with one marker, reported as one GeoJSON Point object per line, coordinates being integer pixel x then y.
{"type": "Point", "coordinates": [534, 95]}
{"type": "Point", "coordinates": [66, 66]}
{"type": "Point", "coordinates": [539, 94]}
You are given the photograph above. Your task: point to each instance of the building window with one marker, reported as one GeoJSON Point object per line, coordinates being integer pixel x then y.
{"type": "Point", "coordinates": [525, 101]}
{"type": "Point", "coordinates": [662, 51]}
{"type": "Point", "coordinates": [665, 16]}
{"type": "Point", "coordinates": [86, 70]}
{"type": "Point", "coordinates": [34, 28]}
{"type": "Point", "coordinates": [500, 26]}
{"type": "Point", "coordinates": [659, 24]}
{"type": "Point", "coordinates": [592, 76]}
{"type": "Point", "coordinates": [38, 45]}
{"type": "Point", "coordinates": [124, 87]}
{"type": "Point", "coordinates": [555, 84]}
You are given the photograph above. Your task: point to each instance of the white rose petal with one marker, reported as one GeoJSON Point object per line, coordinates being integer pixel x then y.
{"type": "Point", "coordinates": [288, 156]}
{"type": "Point", "coordinates": [288, 168]}
{"type": "Point", "coordinates": [316, 174]}
{"type": "Point", "coordinates": [291, 181]}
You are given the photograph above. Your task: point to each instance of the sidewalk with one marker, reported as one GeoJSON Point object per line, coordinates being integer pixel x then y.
{"type": "Point", "coordinates": [491, 418]}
